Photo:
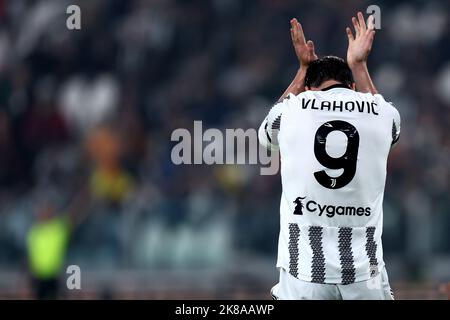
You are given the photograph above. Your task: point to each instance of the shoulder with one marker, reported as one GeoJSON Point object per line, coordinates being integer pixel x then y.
{"type": "Point", "coordinates": [285, 104]}
{"type": "Point", "coordinates": [293, 100]}
{"type": "Point", "coordinates": [308, 95]}
{"type": "Point", "coordinates": [387, 104]}
{"type": "Point", "coordinates": [388, 108]}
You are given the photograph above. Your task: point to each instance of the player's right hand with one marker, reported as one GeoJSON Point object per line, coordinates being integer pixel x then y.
{"type": "Point", "coordinates": [304, 50]}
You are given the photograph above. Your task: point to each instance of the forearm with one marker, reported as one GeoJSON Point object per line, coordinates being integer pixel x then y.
{"type": "Point", "coordinates": [297, 86]}
{"type": "Point", "coordinates": [362, 78]}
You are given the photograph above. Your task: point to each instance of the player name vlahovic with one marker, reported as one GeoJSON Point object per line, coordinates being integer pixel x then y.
{"type": "Point", "coordinates": [341, 106]}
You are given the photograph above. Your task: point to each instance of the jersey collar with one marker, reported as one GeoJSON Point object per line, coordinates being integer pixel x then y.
{"type": "Point", "coordinates": [337, 85]}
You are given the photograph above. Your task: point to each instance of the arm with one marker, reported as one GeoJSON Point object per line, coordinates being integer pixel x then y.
{"type": "Point", "coordinates": [305, 54]}
{"type": "Point", "coordinates": [362, 78]}
{"type": "Point", "coordinates": [297, 86]}
{"type": "Point", "coordinates": [358, 52]}
{"type": "Point", "coordinates": [268, 131]}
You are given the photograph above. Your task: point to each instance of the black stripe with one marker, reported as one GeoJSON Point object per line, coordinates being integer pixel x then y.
{"type": "Point", "coordinates": [371, 248]}
{"type": "Point", "coordinates": [396, 140]}
{"type": "Point", "coordinates": [274, 297]}
{"type": "Point", "coordinates": [276, 123]}
{"type": "Point", "coordinates": [318, 259]}
{"type": "Point", "coordinates": [392, 294]}
{"type": "Point", "coordinates": [267, 134]}
{"type": "Point", "coordinates": [294, 236]}
{"type": "Point", "coordinates": [337, 85]}
{"type": "Point", "coordinates": [395, 136]}
{"type": "Point", "coordinates": [274, 128]}
{"type": "Point", "coordinates": [346, 255]}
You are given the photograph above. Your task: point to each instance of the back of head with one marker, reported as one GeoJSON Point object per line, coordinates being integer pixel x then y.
{"type": "Point", "coordinates": [328, 68]}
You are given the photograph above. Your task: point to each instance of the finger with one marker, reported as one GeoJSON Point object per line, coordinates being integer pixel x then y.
{"type": "Point", "coordinates": [294, 30]}
{"type": "Point", "coordinates": [371, 36]}
{"type": "Point", "coordinates": [356, 26]}
{"type": "Point", "coordinates": [300, 34]}
{"type": "Point", "coordinates": [293, 23]}
{"type": "Point", "coordinates": [310, 45]}
{"type": "Point", "coordinates": [369, 42]}
{"type": "Point", "coordinates": [362, 22]}
{"type": "Point", "coordinates": [371, 23]}
{"type": "Point", "coordinates": [349, 35]}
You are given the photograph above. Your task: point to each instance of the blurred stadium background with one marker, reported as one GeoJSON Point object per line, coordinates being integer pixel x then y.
{"type": "Point", "coordinates": [85, 124]}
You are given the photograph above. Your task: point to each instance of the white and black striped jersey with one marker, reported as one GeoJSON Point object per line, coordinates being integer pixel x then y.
{"type": "Point", "coordinates": [334, 146]}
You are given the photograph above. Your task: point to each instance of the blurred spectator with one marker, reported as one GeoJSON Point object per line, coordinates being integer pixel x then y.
{"type": "Point", "coordinates": [47, 243]}
{"type": "Point", "coordinates": [109, 181]}
{"type": "Point", "coordinates": [88, 102]}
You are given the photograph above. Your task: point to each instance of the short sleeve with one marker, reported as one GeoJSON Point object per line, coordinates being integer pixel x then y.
{"type": "Point", "coordinates": [394, 117]}
{"type": "Point", "coordinates": [268, 131]}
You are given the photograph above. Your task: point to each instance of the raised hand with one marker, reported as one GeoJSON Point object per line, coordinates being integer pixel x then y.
{"type": "Point", "coordinates": [304, 50]}
{"type": "Point", "coordinates": [359, 46]}
{"type": "Point", "coordinates": [358, 51]}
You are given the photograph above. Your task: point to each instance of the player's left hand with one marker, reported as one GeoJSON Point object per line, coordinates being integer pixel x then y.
{"type": "Point", "coordinates": [359, 46]}
{"type": "Point", "coordinates": [304, 50]}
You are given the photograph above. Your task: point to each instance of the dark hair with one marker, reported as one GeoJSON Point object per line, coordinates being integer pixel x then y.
{"type": "Point", "coordinates": [328, 68]}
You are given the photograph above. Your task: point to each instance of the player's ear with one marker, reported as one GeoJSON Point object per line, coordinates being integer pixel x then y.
{"type": "Point", "coordinates": [354, 86]}
{"type": "Point", "coordinates": [307, 88]}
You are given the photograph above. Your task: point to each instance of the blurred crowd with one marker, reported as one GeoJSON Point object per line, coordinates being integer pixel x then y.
{"type": "Point", "coordinates": [86, 118]}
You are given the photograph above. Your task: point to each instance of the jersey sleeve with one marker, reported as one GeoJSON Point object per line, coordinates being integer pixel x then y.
{"type": "Point", "coordinates": [395, 135]}
{"type": "Point", "coordinates": [268, 131]}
